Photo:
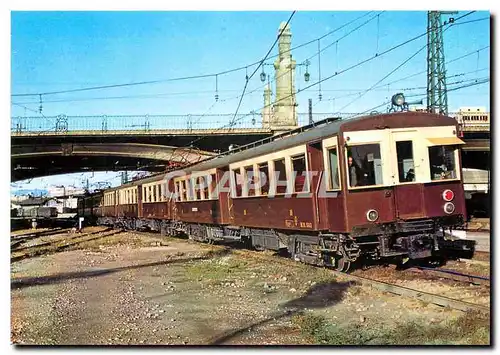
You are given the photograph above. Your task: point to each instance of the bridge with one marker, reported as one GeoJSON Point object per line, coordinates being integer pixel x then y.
{"type": "Point", "coordinates": [61, 144]}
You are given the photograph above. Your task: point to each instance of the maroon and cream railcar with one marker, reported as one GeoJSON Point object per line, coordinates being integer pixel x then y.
{"type": "Point", "coordinates": [373, 187]}
{"type": "Point", "coordinates": [90, 207]}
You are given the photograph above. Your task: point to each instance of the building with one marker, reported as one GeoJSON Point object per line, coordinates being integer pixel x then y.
{"type": "Point", "coordinates": [475, 119]}
{"type": "Point", "coordinates": [64, 198]}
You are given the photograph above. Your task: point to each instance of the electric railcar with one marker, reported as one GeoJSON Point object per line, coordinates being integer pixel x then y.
{"type": "Point", "coordinates": [372, 187]}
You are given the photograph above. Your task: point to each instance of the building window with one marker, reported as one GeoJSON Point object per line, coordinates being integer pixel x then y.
{"type": "Point", "coordinates": [442, 162]}
{"type": "Point", "coordinates": [333, 162]}
{"type": "Point", "coordinates": [238, 182]}
{"type": "Point", "coordinates": [263, 181]}
{"type": "Point", "coordinates": [300, 170]}
{"type": "Point", "coordinates": [280, 176]}
{"type": "Point", "coordinates": [249, 180]}
{"type": "Point", "coordinates": [364, 165]}
{"type": "Point", "coordinates": [406, 166]}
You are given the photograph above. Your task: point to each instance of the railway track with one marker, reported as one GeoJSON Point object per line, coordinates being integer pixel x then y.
{"type": "Point", "coordinates": [436, 299]}
{"type": "Point", "coordinates": [454, 275]}
{"type": "Point", "coordinates": [417, 294]}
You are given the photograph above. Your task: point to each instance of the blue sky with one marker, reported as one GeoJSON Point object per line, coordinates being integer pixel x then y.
{"type": "Point", "coordinates": [54, 51]}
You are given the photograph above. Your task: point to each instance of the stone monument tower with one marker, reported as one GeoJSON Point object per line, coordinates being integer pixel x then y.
{"type": "Point", "coordinates": [283, 114]}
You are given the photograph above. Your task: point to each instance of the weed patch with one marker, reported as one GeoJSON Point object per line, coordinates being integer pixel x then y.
{"type": "Point", "coordinates": [472, 328]}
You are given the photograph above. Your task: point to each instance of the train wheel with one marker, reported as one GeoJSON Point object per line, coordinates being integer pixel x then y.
{"type": "Point", "coordinates": [342, 264]}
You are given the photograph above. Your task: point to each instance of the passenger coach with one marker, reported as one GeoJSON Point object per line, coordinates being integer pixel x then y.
{"type": "Point", "coordinates": [370, 187]}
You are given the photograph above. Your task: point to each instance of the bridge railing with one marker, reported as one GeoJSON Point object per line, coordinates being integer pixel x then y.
{"type": "Point", "coordinates": [65, 124]}
{"type": "Point", "coordinates": [62, 124]}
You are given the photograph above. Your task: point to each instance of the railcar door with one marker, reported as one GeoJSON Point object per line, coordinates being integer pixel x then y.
{"type": "Point", "coordinates": [408, 194]}
{"type": "Point", "coordinates": [331, 186]}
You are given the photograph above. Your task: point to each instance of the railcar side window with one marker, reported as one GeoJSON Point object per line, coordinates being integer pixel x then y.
{"type": "Point", "coordinates": [299, 169]}
{"type": "Point", "coordinates": [442, 162]}
{"type": "Point", "coordinates": [280, 175]}
{"type": "Point", "coordinates": [238, 182]}
{"type": "Point", "coordinates": [202, 188]}
{"type": "Point", "coordinates": [213, 187]}
{"type": "Point", "coordinates": [406, 166]}
{"type": "Point", "coordinates": [250, 180]}
{"type": "Point", "coordinates": [183, 190]}
{"type": "Point", "coordinates": [334, 169]}
{"type": "Point", "coordinates": [364, 165]}
{"type": "Point", "coordinates": [178, 190]}
{"type": "Point", "coordinates": [197, 188]}
{"type": "Point", "coordinates": [263, 171]}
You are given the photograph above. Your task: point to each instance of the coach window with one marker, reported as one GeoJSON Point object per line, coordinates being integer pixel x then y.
{"type": "Point", "coordinates": [183, 190]}
{"type": "Point", "coordinates": [190, 191]}
{"type": "Point", "coordinates": [299, 168]}
{"type": "Point", "coordinates": [442, 162]}
{"type": "Point", "coordinates": [280, 177]}
{"type": "Point", "coordinates": [201, 188]}
{"type": "Point", "coordinates": [263, 171]}
{"type": "Point", "coordinates": [333, 162]}
{"type": "Point", "coordinates": [196, 189]}
{"type": "Point", "coordinates": [238, 182]}
{"type": "Point", "coordinates": [212, 191]}
{"type": "Point", "coordinates": [249, 180]}
{"type": "Point", "coordinates": [406, 166]}
{"type": "Point", "coordinates": [178, 190]}
{"type": "Point", "coordinates": [364, 165]}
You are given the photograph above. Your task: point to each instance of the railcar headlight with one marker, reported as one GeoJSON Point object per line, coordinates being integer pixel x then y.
{"type": "Point", "coordinates": [372, 215]}
{"type": "Point", "coordinates": [449, 207]}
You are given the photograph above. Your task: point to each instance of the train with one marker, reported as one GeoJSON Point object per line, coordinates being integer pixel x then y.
{"type": "Point", "coordinates": [34, 212]}
{"type": "Point", "coordinates": [370, 188]}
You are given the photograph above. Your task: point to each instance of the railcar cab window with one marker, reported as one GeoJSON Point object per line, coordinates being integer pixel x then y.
{"type": "Point", "coordinates": [280, 176]}
{"type": "Point", "coordinates": [364, 165]}
{"type": "Point", "coordinates": [238, 183]}
{"type": "Point", "coordinates": [249, 180]}
{"type": "Point", "coordinates": [299, 168]}
{"type": "Point", "coordinates": [406, 166]}
{"type": "Point", "coordinates": [442, 162]}
{"type": "Point", "coordinates": [263, 171]}
{"type": "Point", "coordinates": [333, 182]}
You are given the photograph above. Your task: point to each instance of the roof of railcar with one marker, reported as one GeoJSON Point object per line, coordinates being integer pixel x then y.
{"type": "Point", "coordinates": [323, 129]}
{"type": "Point", "coordinates": [314, 132]}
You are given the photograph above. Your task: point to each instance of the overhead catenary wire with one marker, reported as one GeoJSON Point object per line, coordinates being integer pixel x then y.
{"type": "Point", "coordinates": [344, 70]}
{"type": "Point", "coordinates": [201, 76]}
{"type": "Point", "coordinates": [262, 62]}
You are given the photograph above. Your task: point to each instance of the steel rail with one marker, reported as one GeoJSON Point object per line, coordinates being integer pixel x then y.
{"type": "Point", "coordinates": [382, 286]}
{"type": "Point", "coordinates": [455, 275]}
{"type": "Point", "coordinates": [420, 295]}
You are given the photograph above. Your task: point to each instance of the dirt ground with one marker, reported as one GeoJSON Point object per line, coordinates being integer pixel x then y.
{"type": "Point", "coordinates": [111, 287]}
